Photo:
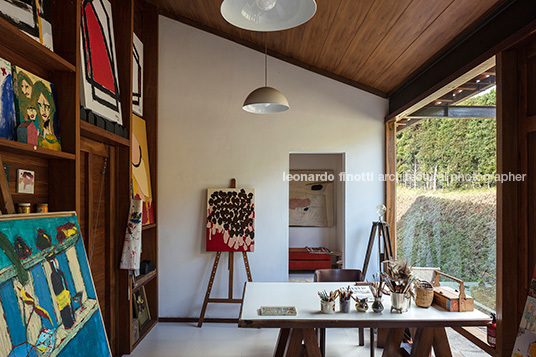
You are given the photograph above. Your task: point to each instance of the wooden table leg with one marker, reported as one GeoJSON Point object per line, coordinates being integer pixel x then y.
{"type": "Point", "coordinates": [282, 342]}
{"type": "Point", "coordinates": [311, 343]}
{"type": "Point", "coordinates": [322, 341]}
{"type": "Point", "coordinates": [372, 342]}
{"type": "Point", "coordinates": [441, 343]}
{"type": "Point", "coordinates": [295, 344]}
{"type": "Point", "coordinates": [422, 343]}
{"type": "Point", "coordinates": [392, 345]}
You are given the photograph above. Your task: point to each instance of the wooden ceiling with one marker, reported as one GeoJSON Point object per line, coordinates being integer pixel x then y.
{"type": "Point", "coordinates": [375, 45]}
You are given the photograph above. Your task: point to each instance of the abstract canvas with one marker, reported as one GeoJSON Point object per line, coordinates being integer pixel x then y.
{"type": "Point", "coordinates": [525, 345]}
{"type": "Point", "coordinates": [311, 198]}
{"type": "Point", "coordinates": [48, 305]}
{"type": "Point", "coordinates": [25, 181]}
{"type": "Point", "coordinates": [7, 104]}
{"type": "Point", "coordinates": [137, 76]}
{"type": "Point", "coordinates": [35, 101]}
{"type": "Point", "coordinates": [230, 222]}
{"type": "Point", "coordinates": [30, 16]}
{"type": "Point", "coordinates": [99, 82]}
{"type": "Point", "coordinates": [141, 176]}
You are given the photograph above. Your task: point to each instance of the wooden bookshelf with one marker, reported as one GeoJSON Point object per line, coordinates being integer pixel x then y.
{"type": "Point", "coordinates": [91, 157]}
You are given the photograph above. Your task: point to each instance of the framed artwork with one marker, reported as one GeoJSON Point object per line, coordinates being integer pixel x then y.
{"type": "Point", "coordinates": [30, 16]}
{"type": "Point", "coordinates": [48, 304]}
{"type": "Point", "coordinates": [141, 308]}
{"type": "Point", "coordinates": [525, 344]}
{"type": "Point", "coordinates": [137, 76]}
{"type": "Point", "coordinates": [311, 198]}
{"type": "Point", "coordinates": [25, 181]}
{"type": "Point", "coordinates": [7, 103]}
{"type": "Point", "coordinates": [230, 222]}
{"type": "Point", "coordinates": [99, 82]}
{"type": "Point", "coordinates": [35, 102]}
{"type": "Point", "coordinates": [141, 175]}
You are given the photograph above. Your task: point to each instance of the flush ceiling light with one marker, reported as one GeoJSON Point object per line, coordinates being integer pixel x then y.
{"type": "Point", "coordinates": [267, 15]}
{"type": "Point", "coordinates": [265, 100]}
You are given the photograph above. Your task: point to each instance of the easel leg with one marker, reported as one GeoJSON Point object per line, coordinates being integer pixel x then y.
{"type": "Point", "coordinates": [209, 288]}
{"type": "Point", "coordinates": [369, 248]}
{"type": "Point", "coordinates": [246, 263]}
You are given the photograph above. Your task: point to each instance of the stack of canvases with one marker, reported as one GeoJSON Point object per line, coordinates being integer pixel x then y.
{"type": "Point", "coordinates": [28, 102]}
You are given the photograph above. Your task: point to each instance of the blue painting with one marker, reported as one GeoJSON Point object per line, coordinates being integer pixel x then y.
{"type": "Point", "coordinates": [7, 104]}
{"type": "Point", "coordinates": [48, 304]}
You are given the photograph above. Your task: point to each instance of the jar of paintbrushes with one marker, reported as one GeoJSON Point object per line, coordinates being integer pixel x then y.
{"type": "Point", "coordinates": [377, 290]}
{"type": "Point", "coordinates": [399, 279]}
{"type": "Point", "coordinates": [344, 299]}
{"type": "Point", "coordinates": [327, 301]}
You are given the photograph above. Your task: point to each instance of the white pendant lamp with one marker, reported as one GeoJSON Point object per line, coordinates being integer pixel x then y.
{"type": "Point", "coordinates": [265, 100]}
{"type": "Point", "coordinates": [267, 15]}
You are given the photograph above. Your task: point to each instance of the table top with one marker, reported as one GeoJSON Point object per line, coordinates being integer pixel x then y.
{"type": "Point", "coordinates": [304, 297]}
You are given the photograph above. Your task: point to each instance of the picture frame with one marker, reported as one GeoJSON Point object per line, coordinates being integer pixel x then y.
{"type": "Point", "coordinates": [25, 181]}
{"type": "Point", "coordinates": [141, 308]}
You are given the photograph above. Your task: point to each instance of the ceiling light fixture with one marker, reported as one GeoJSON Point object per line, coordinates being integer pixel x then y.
{"type": "Point", "coordinates": [265, 100]}
{"type": "Point", "coordinates": [267, 15]}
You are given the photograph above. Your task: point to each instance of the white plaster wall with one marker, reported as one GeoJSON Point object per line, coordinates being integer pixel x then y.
{"type": "Point", "coordinates": [329, 237]}
{"type": "Point", "coordinates": [205, 139]}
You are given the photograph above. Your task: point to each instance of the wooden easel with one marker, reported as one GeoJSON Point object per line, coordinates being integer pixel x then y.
{"type": "Point", "coordinates": [383, 231]}
{"type": "Point", "coordinates": [229, 299]}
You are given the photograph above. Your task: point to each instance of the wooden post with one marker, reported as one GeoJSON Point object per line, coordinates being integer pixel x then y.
{"type": "Point", "coordinates": [229, 299]}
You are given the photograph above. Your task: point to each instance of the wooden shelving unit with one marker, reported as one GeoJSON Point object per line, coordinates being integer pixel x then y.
{"type": "Point", "coordinates": [70, 180]}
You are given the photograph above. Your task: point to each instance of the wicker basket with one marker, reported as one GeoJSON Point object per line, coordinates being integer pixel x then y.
{"type": "Point", "coordinates": [424, 293]}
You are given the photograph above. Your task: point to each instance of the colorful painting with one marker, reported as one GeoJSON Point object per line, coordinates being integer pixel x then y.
{"type": "Point", "coordinates": [130, 257]}
{"type": "Point", "coordinates": [7, 103]}
{"type": "Point", "coordinates": [48, 304]}
{"type": "Point", "coordinates": [26, 181]}
{"type": "Point", "coordinates": [525, 345]}
{"type": "Point", "coordinates": [141, 175]}
{"type": "Point", "coordinates": [35, 101]}
{"type": "Point", "coordinates": [230, 220]}
{"type": "Point", "coordinates": [99, 82]}
{"type": "Point", "coordinates": [311, 198]}
{"type": "Point", "coordinates": [137, 76]}
{"type": "Point", "coordinates": [30, 16]}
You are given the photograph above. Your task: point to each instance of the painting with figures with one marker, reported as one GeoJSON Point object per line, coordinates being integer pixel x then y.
{"type": "Point", "coordinates": [36, 104]}
{"type": "Point", "coordinates": [48, 304]}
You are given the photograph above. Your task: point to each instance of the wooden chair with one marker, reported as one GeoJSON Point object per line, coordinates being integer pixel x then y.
{"type": "Point", "coordinates": [331, 275]}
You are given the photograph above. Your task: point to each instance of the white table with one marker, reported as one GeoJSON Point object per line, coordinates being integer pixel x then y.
{"type": "Point", "coordinates": [430, 323]}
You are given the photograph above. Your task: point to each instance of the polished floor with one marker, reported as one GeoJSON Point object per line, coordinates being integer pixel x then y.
{"type": "Point", "coordinates": [227, 340]}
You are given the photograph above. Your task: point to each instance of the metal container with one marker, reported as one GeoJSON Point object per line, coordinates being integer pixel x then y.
{"type": "Point", "coordinates": [400, 302]}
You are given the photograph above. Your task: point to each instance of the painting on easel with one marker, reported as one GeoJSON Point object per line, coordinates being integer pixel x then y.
{"type": "Point", "coordinates": [230, 220]}
{"type": "Point", "coordinates": [48, 304]}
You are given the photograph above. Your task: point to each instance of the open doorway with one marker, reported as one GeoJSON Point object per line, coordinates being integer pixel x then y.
{"type": "Point", "coordinates": [316, 213]}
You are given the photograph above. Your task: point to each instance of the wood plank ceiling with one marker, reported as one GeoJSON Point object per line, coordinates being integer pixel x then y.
{"type": "Point", "coordinates": [375, 45]}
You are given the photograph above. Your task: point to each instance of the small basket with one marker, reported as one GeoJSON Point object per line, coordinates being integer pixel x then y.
{"type": "Point", "coordinates": [424, 293]}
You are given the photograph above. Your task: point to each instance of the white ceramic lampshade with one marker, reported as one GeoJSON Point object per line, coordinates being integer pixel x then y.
{"type": "Point", "coordinates": [267, 15]}
{"type": "Point", "coordinates": [265, 100]}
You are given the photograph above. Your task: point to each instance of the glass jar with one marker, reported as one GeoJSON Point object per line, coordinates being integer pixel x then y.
{"type": "Point", "coordinates": [24, 207]}
{"type": "Point", "coordinates": [377, 305]}
{"type": "Point", "coordinates": [41, 207]}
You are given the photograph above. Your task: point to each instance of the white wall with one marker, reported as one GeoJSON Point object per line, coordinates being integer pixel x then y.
{"type": "Point", "coordinates": [329, 237]}
{"type": "Point", "coordinates": [205, 139]}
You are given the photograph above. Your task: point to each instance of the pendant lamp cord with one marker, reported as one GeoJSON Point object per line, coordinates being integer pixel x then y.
{"type": "Point", "coordinates": [265, 59]}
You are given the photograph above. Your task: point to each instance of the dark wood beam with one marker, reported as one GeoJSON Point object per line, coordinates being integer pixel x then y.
{"type": "Point", "coordinates": [459, 112]}
{"type": "Point", "coordinates": [505, 26]}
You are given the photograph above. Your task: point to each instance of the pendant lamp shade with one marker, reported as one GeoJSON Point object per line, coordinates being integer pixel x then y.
{"type": "Point", "coordinates": [267, 15]}
{"type": "Point", "coordinates": [265, 100]}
